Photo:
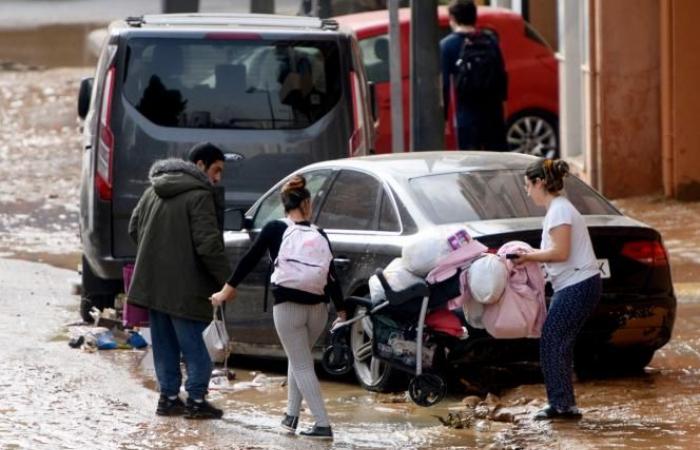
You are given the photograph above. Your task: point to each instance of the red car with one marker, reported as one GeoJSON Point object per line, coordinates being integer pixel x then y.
{"type": "Point", "coordinates": [533, 101]}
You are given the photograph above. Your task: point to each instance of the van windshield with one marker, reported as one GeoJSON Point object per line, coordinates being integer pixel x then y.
{"type": "Point", "coordinates": [232, 84]}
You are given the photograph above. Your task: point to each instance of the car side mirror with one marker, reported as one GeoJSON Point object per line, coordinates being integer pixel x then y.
{"type": "Point", "coordinates": [84, 95]}
{"type": "Point", "coordinates": [235, 220]}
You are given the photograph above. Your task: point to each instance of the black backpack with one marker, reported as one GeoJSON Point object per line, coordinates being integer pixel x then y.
{"type": "Point", "coordinates": [481, 74]}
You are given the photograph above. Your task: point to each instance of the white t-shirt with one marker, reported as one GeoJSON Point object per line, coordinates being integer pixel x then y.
{"type": "Point", "coordinates": [581, 264]}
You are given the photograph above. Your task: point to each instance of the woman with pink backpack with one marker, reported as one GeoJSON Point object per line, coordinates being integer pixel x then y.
{"type": "Point", "coordinates": [302, 281]}
{"type": "Point", "coordinates": [567, 253]}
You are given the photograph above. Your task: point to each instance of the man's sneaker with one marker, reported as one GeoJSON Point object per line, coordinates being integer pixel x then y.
{"type": "Point", "coordinates": [168, 407]}
{"type": "Point", "coordinates": [317, 432]}
{"type": "Point", "coordinates": [551, 413]}
{"type": "Point", "coordinates": [202, 410]}
{"type": "Point", "coordinates": [290, 423]}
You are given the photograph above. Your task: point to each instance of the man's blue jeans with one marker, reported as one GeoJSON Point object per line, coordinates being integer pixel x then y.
{"type": "Point", "coordinates": [172, 336]}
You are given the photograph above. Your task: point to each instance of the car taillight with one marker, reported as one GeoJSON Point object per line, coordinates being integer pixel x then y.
{"type": "Point", "coordinates": [651, 253]}
{"type": "Point", "coordinates": [105, 141]}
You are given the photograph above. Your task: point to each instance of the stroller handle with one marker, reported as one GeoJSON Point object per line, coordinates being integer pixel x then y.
{"type": "Point", "coordinates": [417, 290]}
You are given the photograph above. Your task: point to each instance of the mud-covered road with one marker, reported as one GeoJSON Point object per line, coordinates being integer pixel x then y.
{"type": "Point", "coordinates": [54, 397]}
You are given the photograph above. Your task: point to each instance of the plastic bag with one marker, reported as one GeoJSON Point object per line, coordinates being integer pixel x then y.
{"type": "Point", "coordinates": [398, 277]}
{"type": "Point", "coordinates": [421, 255]}
{"type": "Point", "coordinates": [487, 277]}
{"type": "Point", "coordinates": [216, 337]}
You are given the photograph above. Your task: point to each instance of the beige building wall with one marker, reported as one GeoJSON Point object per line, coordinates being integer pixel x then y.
{"type": "Point", "coordinates": [680, 51]}
{"type": "Point", "coordinates": [626, 76]}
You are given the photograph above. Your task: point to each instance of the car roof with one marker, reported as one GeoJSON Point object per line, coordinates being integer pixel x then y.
{"type": "Point", "coordinates": [228, 22]}
{"type": "Point", "coordinates": [380, 18]}
{"type": "Point", "coordinates": [404, 166]}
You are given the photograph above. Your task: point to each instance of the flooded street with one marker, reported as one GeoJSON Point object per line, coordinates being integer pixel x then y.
{"type": "Point", "coordinates": [55, 397]}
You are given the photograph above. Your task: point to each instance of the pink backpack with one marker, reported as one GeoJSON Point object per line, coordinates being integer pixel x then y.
{"type": "Point", "coordinates": [303, 259]}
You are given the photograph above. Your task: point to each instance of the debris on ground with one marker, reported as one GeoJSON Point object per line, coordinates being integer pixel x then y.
{"type": "Point", "coordinates": [477, 413]}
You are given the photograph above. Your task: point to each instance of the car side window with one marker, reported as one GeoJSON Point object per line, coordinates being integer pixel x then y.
{"type": "Point", "coordinates": [351, 204]}
{"type": "Point", "coordinates": [271, 208]}
{"type": "Point", "coordinates": [388, 217]}
{"type": "Point", "coordinates": [375, 57]}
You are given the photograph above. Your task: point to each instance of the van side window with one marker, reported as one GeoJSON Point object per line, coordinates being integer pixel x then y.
{"type": "Point", "coordinates": [232, 84]}
{"type": "Point", "coordinates": [351, 203]}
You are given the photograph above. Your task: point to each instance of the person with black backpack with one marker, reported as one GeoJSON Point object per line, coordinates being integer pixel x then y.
{"type": "Point", "coordinates": [302, 281]}
{"type": "Point", "coordinates": [473, 70]}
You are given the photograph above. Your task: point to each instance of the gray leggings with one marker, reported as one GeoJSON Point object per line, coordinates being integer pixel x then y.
{"type": "Point", "coordinates": [298, 327]}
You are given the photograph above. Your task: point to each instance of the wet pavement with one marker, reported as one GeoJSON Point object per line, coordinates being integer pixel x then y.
{"type": "Point", "coordinates": [55, 397]}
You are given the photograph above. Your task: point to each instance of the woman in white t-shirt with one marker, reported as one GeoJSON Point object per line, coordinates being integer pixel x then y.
{"type": "Point", "coordinates": [567, 253]}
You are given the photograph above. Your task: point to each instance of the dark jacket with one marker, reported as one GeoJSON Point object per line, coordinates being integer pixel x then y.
{"type": "Point", "coordinates": [180, 259]}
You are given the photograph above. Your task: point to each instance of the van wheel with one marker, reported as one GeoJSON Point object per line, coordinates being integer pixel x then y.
{"type": "Point", "coordinates": [373, 374]}
{"type": "Point", "coordinates": [97, 292]}
{"type": "Point", "coordinates": [533, 133]}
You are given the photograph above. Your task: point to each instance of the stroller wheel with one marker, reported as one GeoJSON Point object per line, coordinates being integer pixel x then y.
{"type": "Point", "coordinates": [427, 389]}
{"type": "Point", "coordinates": [337, 359]}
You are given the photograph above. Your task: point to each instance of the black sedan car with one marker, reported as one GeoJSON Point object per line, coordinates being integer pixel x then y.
{"type": "Point", "coordinates": [371, 206]}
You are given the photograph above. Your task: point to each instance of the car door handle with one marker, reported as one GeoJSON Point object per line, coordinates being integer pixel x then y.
{"type": "Point", "coordinates": [341, 261]}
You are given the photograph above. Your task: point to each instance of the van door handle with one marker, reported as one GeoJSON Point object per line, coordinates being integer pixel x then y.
{"type": "Point", "coordinates": [341, 262]}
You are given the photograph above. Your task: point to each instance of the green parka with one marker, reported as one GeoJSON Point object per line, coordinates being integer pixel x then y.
{"type": "Point", "coordinates": [180, 259]}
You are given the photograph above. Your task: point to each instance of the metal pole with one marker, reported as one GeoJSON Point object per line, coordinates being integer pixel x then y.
{"type": "Point", "coordinates": [397, 144]}
{"type": "Point", "coordinates": [427, 117]}
{"type": "Point", "coordinates": [262, 6]}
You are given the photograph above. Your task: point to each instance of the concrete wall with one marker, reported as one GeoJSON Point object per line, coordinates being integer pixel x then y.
{"type": "Point", "coordinates": [680, 46]}
{"type": "Point", "coordinates": [628, 102]}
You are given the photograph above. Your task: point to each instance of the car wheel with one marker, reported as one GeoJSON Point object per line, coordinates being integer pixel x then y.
{"type": "Point", "coordinates": [533, 133]}
{"type": "Point", "coordinates": [372, 373]}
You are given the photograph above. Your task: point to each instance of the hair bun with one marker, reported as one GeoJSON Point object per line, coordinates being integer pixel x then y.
{"type": "Point", "coordinates": [295, 183]}
{"type": "Point", "coordinates": [561, 168]}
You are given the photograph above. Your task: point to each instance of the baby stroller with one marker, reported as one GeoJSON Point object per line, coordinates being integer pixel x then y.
{"type": "Point", "coordinates": [400, 337]}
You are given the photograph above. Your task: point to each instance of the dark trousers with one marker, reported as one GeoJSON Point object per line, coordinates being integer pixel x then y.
{"type": "Point", "coordinates": [569, 310]}
{"type": "Point", "coordinates": [481, 127]}
{"type": "Point", "coordinates": [172, 337]}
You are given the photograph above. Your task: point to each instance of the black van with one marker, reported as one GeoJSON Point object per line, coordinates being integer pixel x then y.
{"type": "Point", "coordinates": [274, 92]}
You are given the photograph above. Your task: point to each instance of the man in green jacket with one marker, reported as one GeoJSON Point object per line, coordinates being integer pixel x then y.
{"type": "Point", "coordinates": [180, 261]}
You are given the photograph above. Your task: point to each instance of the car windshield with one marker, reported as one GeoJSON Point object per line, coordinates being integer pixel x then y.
{"type": "Point", "coordinates": [493, 194]}
{"type": "Point", "coordinates": [249, 84]}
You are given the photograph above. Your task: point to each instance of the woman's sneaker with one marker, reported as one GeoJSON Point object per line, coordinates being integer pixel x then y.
{"type": "Point", "coordinates": [317, 432]}
{"type": "Point", "coordinates": [202, 410]}
{"type": "Point", "coordinates": [290, 423]}
{"type": "Point", "coordinates": [550, 413]}
{"type": "Point", "coordinates": [170, 407]}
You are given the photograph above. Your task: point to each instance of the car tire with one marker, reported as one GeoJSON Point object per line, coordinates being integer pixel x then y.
{"type": "Point", "coordinates": [373, 374]}
{"type": "Point", "coordinates": [589, 364]}
{"type": "Point", "coordinates": [533, 132]}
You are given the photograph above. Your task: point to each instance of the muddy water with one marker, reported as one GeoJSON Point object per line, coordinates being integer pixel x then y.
{"type": "Point", "coordinates": [28, 45]}
{"type": "Point", "coordinates": [55, 397]}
